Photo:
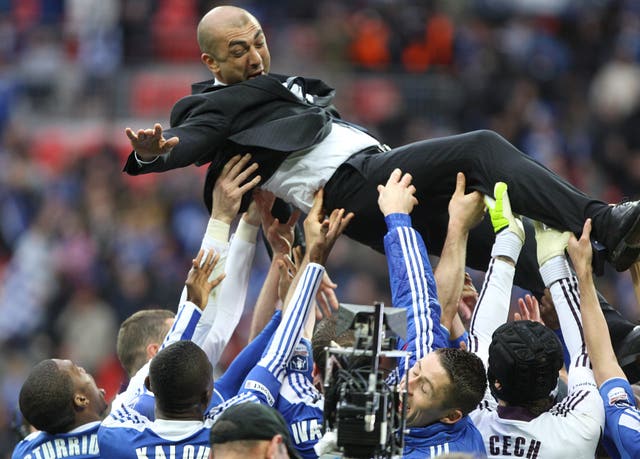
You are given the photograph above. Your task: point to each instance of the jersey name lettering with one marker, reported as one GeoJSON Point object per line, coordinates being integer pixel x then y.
{"type": "Point", "coordinates": [514, 446]}
{"type": "Point", "coordinates": [59, 448]}
{"type": "Point", "coordinates": [173, 452]}
{"type": "Point", "coordinates": [306, 430]}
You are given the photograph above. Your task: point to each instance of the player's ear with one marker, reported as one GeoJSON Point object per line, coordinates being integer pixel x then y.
{"type": "Point", "coordinates": [210, 62]}
{"type": "Point", "coordinates": [80, 401]}
{"type": "Point", "coordinates": [452, 417]}
{"type": "Point", "coordinates": [275, 445]}
{"type": "Point", "coordinates": [151, 350]}
{"type": "Point", "coordinates": [147, 383]}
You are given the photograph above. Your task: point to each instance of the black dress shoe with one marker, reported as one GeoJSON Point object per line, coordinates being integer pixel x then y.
{"type": "Point", "coordinates": [628, 352]}
{"type": "Point", "coordinates": [623, 235]}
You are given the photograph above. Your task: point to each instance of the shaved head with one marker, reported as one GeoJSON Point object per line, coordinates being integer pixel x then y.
{"type": "Point", "coordinates": [219, 19]}
{"type": "Point", "coordinates": [233, 45]}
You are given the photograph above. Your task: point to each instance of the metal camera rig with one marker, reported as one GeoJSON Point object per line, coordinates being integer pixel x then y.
{"type": "Point", "coordinates": [364, 409]}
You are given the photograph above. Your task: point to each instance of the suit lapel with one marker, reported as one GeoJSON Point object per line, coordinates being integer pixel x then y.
{"type": "Point", "coordinates": [272, 85]}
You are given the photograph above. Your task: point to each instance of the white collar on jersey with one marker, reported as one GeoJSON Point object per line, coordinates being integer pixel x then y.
{"type": "Point", "coordinates": [176, 430]}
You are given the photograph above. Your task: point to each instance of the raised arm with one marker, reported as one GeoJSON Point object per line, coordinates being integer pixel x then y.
{"type": "Point", "coordinates": [198, 129]}
{"type": "Point", "coordinates": [197, 285]}
{"type": "Point", "coordinates": [280, 238]}
{"type": "Point", "coordinates": [265, 379]}
{"type": "Point", "coordinates": [225, 305]}
{"type": "Point", "coordinates": [412, 284]}
{"type": "Point", "coordinates": [148, 144]}
{"type": "Point", "coordinates": [465, 212]}
{"type": "Point", "coordinates": [492, 309]}
{"type": "Point", "coordinates": [603, 359]}
{"type": "Point", "coordinates": [621, 435]}
{"type": "Point", "coordinates": [583, 399]}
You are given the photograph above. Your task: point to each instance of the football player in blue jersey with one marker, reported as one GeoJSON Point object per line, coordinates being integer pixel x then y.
{"type": "Point", "coordinates": [443, 384]}
{"type": "Point", "coordinates": [622, 418]}
{"type": "Point", "coordinates": [181, 378]}
{"type": "Point", "coordinates": [62, 401]}
{"type": "Point", "coordinates": [180, 375]}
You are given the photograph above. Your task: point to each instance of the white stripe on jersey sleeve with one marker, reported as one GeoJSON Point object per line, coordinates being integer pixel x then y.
{"type": "Point", "coordinates": [289, 331]}
{"type": "Point", "coordinates": [419, 291]}
{"type": "Point", "coordinates": [184, 325]}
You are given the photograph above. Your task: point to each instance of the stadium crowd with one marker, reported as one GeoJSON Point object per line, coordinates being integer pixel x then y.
{"type": "Point", "coordinates": [83, 247]}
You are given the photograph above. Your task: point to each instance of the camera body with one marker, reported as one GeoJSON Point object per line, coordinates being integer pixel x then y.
{"type": "Point", "coordinates": [362, 397]}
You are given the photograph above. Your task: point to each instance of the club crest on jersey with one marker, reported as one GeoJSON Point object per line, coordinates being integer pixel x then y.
{"type": "Point", "coordinates": [617, 395]}
{"type": "Point", "coordinates": [300, 359]}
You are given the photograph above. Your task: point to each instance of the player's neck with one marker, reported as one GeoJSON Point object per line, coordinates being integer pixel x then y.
{"type": "Point", "coordinates": [189, 415]}
{"type": "Point", "coordinates": [85, 418]}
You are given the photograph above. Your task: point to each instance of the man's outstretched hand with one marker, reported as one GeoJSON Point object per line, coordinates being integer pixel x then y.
{"type": "Point", "coordinates": [149, 143]}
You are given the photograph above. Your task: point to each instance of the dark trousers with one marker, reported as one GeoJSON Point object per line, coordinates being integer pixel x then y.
{"type": "Point", "coordinates": [485, 158]}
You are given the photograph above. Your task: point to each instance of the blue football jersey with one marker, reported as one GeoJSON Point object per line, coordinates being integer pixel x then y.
{"type": "Point", "coordinates": [126, 434]}
{"type": "Point", "coordinates": [300, 403]}
{"type": "Point", "coordinates": [80, 443]}
{"type": "Point", "coordinates": [622, 425]}
{"type": "Point", "coordinates": [413, 287]}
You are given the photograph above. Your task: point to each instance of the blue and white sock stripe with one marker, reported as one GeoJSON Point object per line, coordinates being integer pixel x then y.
{"type": "Point", "coordinates": [419, 290]}
{"type": "Point", "coordinates": [184, 325]}
{"type": "Point", "coordinates": [290, 329]}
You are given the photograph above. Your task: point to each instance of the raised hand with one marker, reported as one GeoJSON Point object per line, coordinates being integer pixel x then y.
{"type": "Point", "coordinates": [529, 309]}
{"type": "Point", "coordinates": [320, 233]}
{"type": "Point", "coordinates": [548, 313]}
{"type": "Point", "coordinates": [150, 143]}
{"type": "Point", "coordinates": [581, 252]}
{"type": "Point", "coordinates": [465, 210]}
{"type": "Point", "coordinates": [500, 211]}
{"type": "Point", "coordinates": [326, 298]}
{"type": "Point", "coordinates": [252, 215]}
{"type": "Point", "coordinates": [231, 186]}
{"type": "Point", "coordinates": [287, 269]}
{"type": "Point", "coordinates": [549, 242]}
{"type": "Point", "coordinates": [397, 195]}
{"type": "Point", "coordinates": [279, 235]}
{"type": "Point", "coordinates": [197, 283]}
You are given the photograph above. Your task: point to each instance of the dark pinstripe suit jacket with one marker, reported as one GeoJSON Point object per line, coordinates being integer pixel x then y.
{"type": "Point", "coordinates": [259, 116]}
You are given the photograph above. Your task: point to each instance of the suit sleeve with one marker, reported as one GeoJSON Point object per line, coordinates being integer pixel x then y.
{"type": "Point", "coordinates": [201, 127]}
{"type": "Point", "coordinates": [413, 286]}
